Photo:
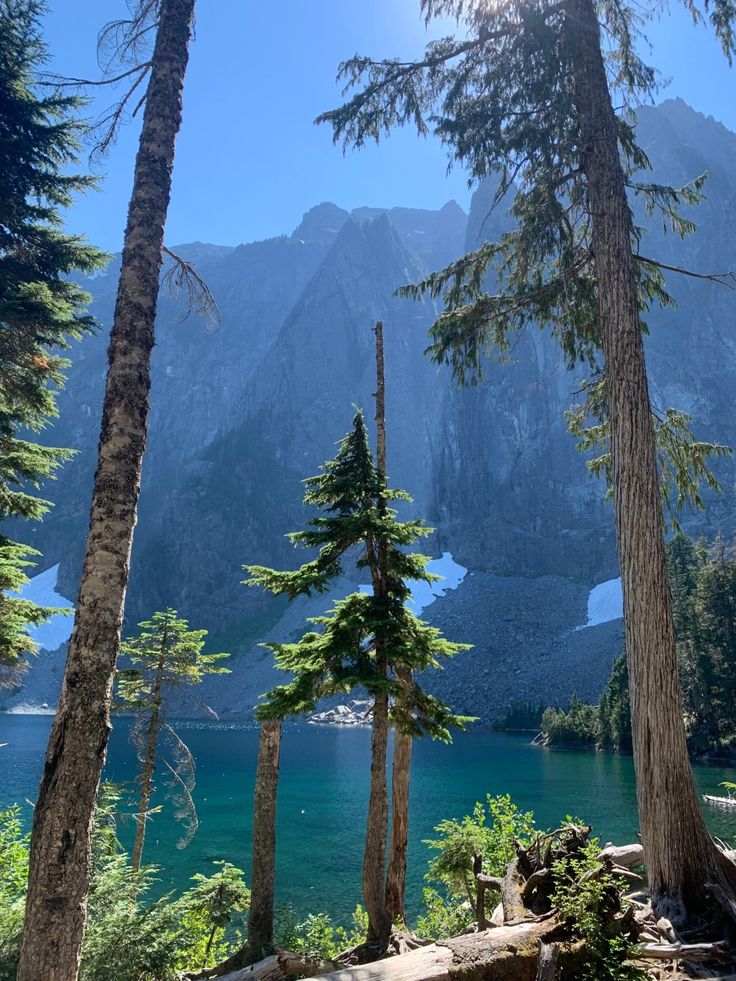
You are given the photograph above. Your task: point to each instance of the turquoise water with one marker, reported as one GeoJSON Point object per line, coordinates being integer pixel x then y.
{"type": "Point", "coordinates": [323, 795]}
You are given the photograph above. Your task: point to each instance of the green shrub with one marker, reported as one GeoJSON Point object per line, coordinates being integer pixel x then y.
{"type": "Point", "coordinates": [128, 937]}
{"type": "Point", "coordinates": [443, 917]}
{"type": "Point", "coordinates": [14, 847]}
{"type": "Point", "coordinates": [587, 897]}
{"type": "Point", "coordinates": [488, 832]}
{"type": "Point", "coordinates": [317, 935]}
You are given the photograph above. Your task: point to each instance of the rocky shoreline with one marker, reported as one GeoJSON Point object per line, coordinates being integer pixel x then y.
{"type": "Point", "coordinates": [356, 713]}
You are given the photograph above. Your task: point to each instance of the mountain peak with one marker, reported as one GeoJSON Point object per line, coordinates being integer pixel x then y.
{"type": "Point", "coordinates": [322, 223]}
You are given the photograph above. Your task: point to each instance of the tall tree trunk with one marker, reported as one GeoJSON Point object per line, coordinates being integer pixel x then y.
{"type": "Point", "coordinates": [374, 855]}
{"type": "Point", "coordinates": [681, 856]}
{"type": "Point", "coordinates": [260, 915]}
{"type": "Point", "coordinates": [380, 403]}
{"type": "Point", "coordinates": [59, 873]}
{"type": "Point", "coordinates": [396, 875]}
{"type": "Point", "coordinates": [149, 763]}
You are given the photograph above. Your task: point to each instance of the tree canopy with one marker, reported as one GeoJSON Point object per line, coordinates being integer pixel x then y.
{"type": "Point", "coordinates": [353, 521]}
{"type": "Point", "coordinates": [42, 308]}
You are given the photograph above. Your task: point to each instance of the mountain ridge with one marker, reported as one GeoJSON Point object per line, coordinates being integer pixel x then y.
{"type": "Point", "coordinates": [241, 415]}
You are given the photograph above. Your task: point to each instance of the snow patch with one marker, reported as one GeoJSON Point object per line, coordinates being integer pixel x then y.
{"type": "Point", "coordinates": [41, 589]}
{"type": "Point", "coordinates": [424, 593]}
{"type": "Point", "coordinates": [605, 602]}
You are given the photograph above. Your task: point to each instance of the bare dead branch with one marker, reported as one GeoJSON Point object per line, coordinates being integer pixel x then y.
{"type": "Point", "coordinates": [182, 279]}
{"type": "Point", "coordinates": [62, 82]}
{"type": "Point", "coordinates": [726, 279]}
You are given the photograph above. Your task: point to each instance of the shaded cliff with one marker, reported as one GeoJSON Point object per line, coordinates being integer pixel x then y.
{"type": "Point", "coordinates": [240, 415]}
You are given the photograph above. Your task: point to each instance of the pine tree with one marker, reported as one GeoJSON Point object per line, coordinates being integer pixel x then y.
{"type": "Point", "coordinates": [58, 881]}
{"type": "Point", "coordinates": [41, 309]}
{"type": "Point", "coordinates": [166, 655]}
{"type": "Point", "coordinates": [366, 639]}
{"type": "Point", "coordinates": [526, 93]}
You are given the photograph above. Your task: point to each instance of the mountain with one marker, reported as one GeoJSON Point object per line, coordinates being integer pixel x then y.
{"type": "Point", "coordinates": [242, 413]}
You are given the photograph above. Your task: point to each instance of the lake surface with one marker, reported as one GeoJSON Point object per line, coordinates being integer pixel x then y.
{"type": "Point", "coordinates": [323, 797]}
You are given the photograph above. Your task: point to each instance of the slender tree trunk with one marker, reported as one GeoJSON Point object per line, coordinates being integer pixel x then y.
{"type": "Point", "coordinates": [681, 856]}
{"type": "Point", "coordinates": [59, 873]}
{"type": "Point", "coordinates": [380, 402]}
{"type": "Point", "coordinates": [374, 855]}
{"type": "Point", "coordinates": [260, 915]}
{"type": "Point", "coordinates": [396, 875]}
{"type": "Point", "coordinates": [148, 768]}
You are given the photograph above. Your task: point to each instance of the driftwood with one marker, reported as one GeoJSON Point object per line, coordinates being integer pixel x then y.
{"type": "Point", "coordinates": [682, 952]}
{"type": "Point", "coordinates": [625, 856]}
{"type": "Point", "coordinates": [508, 953]}
{"type": "Point", "coordinates": [280, 966]}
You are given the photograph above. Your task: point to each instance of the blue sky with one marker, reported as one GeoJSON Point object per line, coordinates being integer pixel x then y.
{"type": "Point", "coordinates": [249, 159]}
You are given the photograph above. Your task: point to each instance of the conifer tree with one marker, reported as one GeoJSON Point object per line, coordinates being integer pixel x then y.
{"type": "Point", "coordinates": [263, 873]}
{"type": "Point", "coordinates": [525, 93]}
{"type": "Point", "coordinates": [41, 309]}
{"type": "Point", "coordinates": [164, 656]}
{"type": "Point", "coordinates": [366, 639]}
{"type": "Point", "coordinates": [59, 875]}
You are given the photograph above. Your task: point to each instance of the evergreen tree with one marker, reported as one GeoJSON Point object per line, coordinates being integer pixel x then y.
{"type": "Point", "coordinates": [704, 590]}
{"type": "Point", "coordinates": [366, 639]}
{"type": "Point", "coordinates": [526, 93]}
{"type": "Point", "coordinates": [614, 708]}
{"type": "Point", "coordinates": [58, 882]}
{"type": "Point", "coordinates": [41, 309]}
{"type": "Point", "coordinates": [165, 656]}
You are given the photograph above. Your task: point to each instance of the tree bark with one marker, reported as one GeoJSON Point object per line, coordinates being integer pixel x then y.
{"type": "Point", "coordinates": [547, 963]}
{"type": "Point", "coordinates": [396, 876]}
{"type": "Point", "coordinates": [680, 853]}
{"type": "Point", "coordinates": [374, 854]}
{"type": "Point", "coordinates": [59, 873]}
{"type": "Point", "coordinates": [263, 874]}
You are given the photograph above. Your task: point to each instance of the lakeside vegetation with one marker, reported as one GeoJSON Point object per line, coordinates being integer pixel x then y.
{"type": "Point", "coordinates": [523, 92]}
{"type": "Point", "coordinates": [703, 581]}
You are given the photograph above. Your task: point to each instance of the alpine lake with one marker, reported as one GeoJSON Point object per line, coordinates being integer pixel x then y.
{"type": "Point", "coordinates": [323, 793]}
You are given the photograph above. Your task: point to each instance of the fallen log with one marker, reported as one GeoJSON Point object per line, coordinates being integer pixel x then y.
{"type": "Point", "coordinates": [681, 952]}
{"type": "Point", "coordinates": [280, 967]}
{"type": "Point", "coordinates": [626, 856]}
{"type": "Point", "coordinates": [507, 953]}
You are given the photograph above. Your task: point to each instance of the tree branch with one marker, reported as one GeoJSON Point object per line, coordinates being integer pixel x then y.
{"type": "Point", "coordinates": [720, 279]}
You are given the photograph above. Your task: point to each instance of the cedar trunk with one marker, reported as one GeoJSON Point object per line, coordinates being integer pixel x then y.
{"type": "Point", "coordinates": [260, 915]}
{"type": "Point", "coordinates": [680, 854]}
{"type": "Point", "coordinates": [59, 873]}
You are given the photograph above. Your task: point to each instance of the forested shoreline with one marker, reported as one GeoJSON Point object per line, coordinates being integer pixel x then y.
{"type": "Point", "coordinates": [703, 582]}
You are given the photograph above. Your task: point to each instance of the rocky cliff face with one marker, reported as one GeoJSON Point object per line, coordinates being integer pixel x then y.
{"type": "Point", "coordinates": [240, 415]}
